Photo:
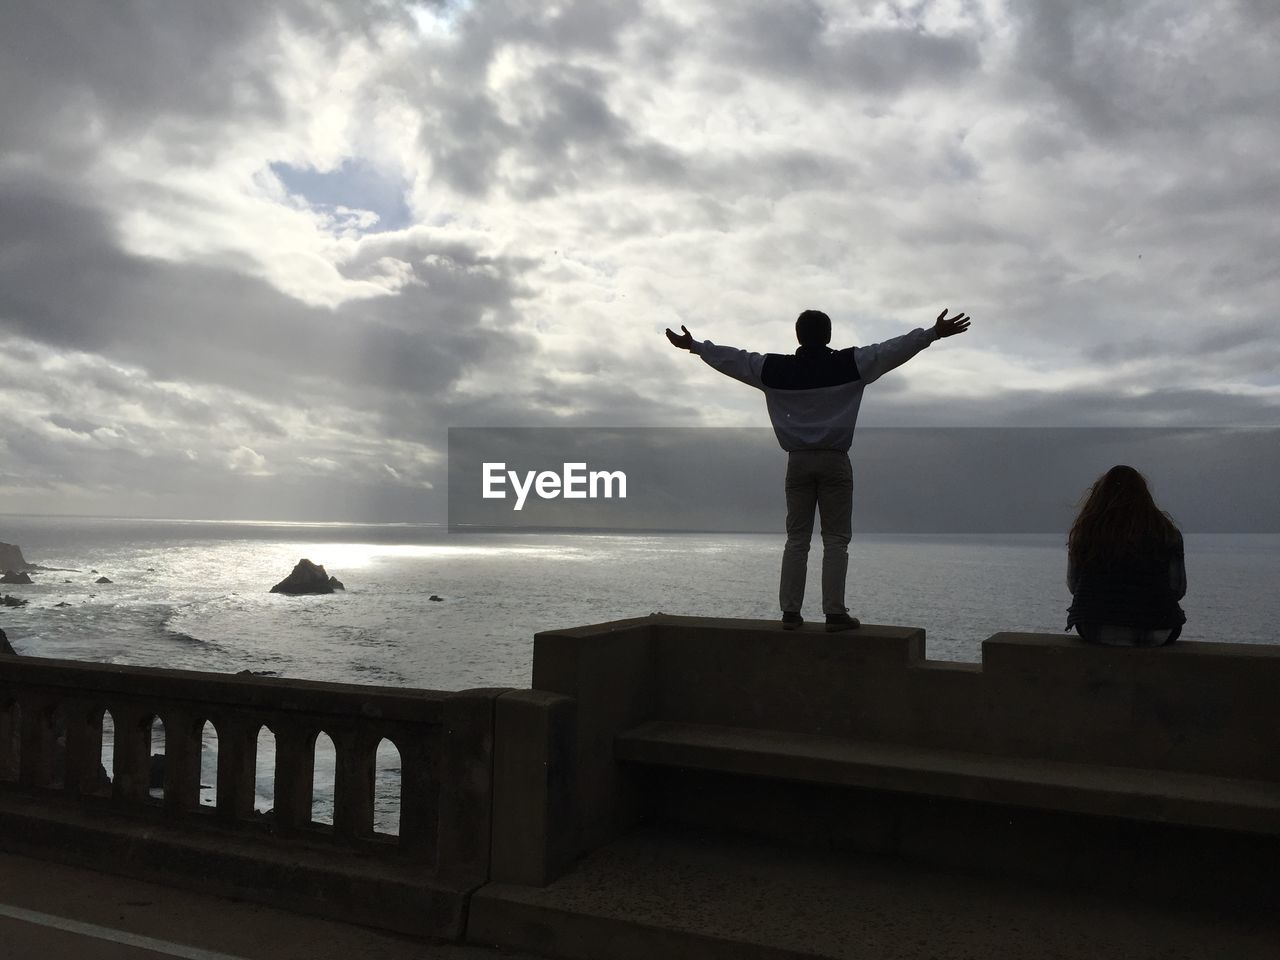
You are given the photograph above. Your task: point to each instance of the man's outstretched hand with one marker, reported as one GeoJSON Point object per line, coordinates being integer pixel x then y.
{"type": "Point", "coordinates": [945, 327]}
{"type": "Point", "coordinates": [685, 341]}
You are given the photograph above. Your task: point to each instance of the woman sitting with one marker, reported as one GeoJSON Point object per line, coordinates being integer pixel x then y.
{"type": "Point", "coordinates": [1125, 566]}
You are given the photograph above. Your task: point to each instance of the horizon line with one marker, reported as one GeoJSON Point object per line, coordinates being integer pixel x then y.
{"type": "Point", "coordinates": [473, 529]}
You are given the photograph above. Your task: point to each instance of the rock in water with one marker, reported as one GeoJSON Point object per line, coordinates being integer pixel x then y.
{"type": "Point", "coordinates": [307, 577]}
{"type": "Point", "coordinates": [5, 646]}
{"type": "Point", "coordinates": [15, 576]}
{"type": "Point", "coordinates": [102, 580]}
{"type": "Point", "coordinates": [11, 557]}
{"type": "Point", "coordinates": [336, 583]}
{"type": "Point", "coordinates": [8, 601]}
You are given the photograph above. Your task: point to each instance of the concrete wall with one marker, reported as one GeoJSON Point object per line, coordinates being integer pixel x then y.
{"type": "Point", "coordinates": [1200, 707]}
{"type": "Point", "coordinates": [536, 834]}
{"type": "Point", "coordinates": [1207, 708]}
{"type": "Point", "coordinates": [608, 670]}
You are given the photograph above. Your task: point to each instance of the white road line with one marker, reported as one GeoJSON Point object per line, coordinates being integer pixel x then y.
{"type": "Point", "coordinates": [115, 936]}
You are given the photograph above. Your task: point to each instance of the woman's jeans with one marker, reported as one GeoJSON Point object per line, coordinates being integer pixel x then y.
{"type": "Point", "coordinates": [1110, 635]}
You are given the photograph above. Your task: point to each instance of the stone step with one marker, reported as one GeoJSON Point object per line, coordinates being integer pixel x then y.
{"type": "Point", "coordinates": [1158, 796]}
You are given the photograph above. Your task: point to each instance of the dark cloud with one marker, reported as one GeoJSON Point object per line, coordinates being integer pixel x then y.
{"type": "Point", "coordinates": [565, 135]}
{"type": "Point", "coordinates": [64, 280]}
{"type": "Point", "coordinates": [1131, 69]}
{"type": "Point", "coordinates": [126, 66]}
{"type": "Point", "coordinates": [1248, 348]}
{"type": "Point", "coordinates": [1118, 401]}
{"type": "Point", "coordinates": [1259, 13]}
{"type": "Point", "coordinates": [565, 29]}
{"type": "Point", "coordinates": [102, 438]}
{"type": "Point", "coordinates": [466, 139]}
{"type": "Point", "coordinates": [129, 65]}
{"type": "Point", "coordinates": [574, 138]}
{"type": "Point", "coordinates": [74, 424]}
{"type": "Point", "coordinates": [1250, 334]}
{"type": "Point", "coordinates": [793, 41]}
{"type": "Point", "coordinates": [556, 130]}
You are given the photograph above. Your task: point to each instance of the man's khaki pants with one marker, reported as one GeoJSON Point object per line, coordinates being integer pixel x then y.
{"type": "Point", "coordinates": [819, 479]}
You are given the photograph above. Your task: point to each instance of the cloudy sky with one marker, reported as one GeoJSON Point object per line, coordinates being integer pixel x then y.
{"type": "Point", "coordinates": [255, 257]}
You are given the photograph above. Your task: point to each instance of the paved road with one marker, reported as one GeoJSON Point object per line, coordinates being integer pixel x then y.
{"type": "Point", "coordinates": [49, 911]}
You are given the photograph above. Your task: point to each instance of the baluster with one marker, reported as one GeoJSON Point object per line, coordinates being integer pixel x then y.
{"type": "Point", "coordinates": [353, 783]}
{"type": "Point", "coordinates": [182, 760]}
{"type": "Point", "coordinates": [131, 774]}
{"type": "Point", "coordinates": [419, 792]}
{"type": "Point", "coordinates": [38, 742]}
{"type": "Point", "coordinates": [84, 774]}
{"type": "Point", "coordinates": [237, 766]}
{"type": "Point", "coordinates": [295, 768]}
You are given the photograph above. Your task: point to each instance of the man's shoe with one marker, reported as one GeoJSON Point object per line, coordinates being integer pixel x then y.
{"type": "Point", "coordinates": [841, 621]}
{"type": "Point", "coordinates": [791, 621]}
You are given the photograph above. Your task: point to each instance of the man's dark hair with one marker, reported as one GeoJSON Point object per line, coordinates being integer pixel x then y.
{"type": "Point", "coordinates": [813, 328]}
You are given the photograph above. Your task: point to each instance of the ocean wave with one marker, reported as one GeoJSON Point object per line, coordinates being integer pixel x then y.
{"type": "Point", "coordinates": [171, 632]}
{"type": "Point", "coordinates": [187, 638]}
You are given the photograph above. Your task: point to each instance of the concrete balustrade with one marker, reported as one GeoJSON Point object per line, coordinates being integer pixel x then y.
{"type": "Point", "coordinates": [51, 745]}
{"type": "Point", "coordinates": [59, 721]}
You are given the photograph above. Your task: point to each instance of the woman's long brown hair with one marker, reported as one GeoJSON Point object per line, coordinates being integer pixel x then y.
{"type": "Point", "coordinates": [1119, 516]}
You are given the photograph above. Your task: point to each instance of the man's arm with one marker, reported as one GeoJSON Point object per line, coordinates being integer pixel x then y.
{"type": "Point", "coordinates": [879, 358]}
{"type": "Point", "coordinates": [730, 361]}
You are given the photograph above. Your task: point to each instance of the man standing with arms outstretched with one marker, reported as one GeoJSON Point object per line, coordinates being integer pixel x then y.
{"type": "Point", "coordinates": [813, 397]}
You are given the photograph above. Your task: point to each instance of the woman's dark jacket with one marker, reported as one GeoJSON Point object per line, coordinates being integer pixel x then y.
{"type": "Point", "coordinates": [1139, 588]}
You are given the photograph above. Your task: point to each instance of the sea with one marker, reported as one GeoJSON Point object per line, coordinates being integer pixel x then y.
{"type": "Point", "coordinates": [427, 608]}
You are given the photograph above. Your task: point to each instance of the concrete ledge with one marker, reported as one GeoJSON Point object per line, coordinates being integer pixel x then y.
{"type": "Point", "coordinates": [1206, 708]}
{"type": "Point", "coordinates": [199, 689]}
{"type": "Point", "coordinates": [1007, 648]}
{"type": "Point", "coordinates": [1156, 796]}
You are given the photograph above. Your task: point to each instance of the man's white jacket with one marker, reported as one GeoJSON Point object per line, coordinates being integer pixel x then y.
{"type": "Point", "coordinates": [813, 394]}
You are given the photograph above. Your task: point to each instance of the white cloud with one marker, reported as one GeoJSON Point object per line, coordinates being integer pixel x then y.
{"type": "Point", "coordinates": [247, 460]}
